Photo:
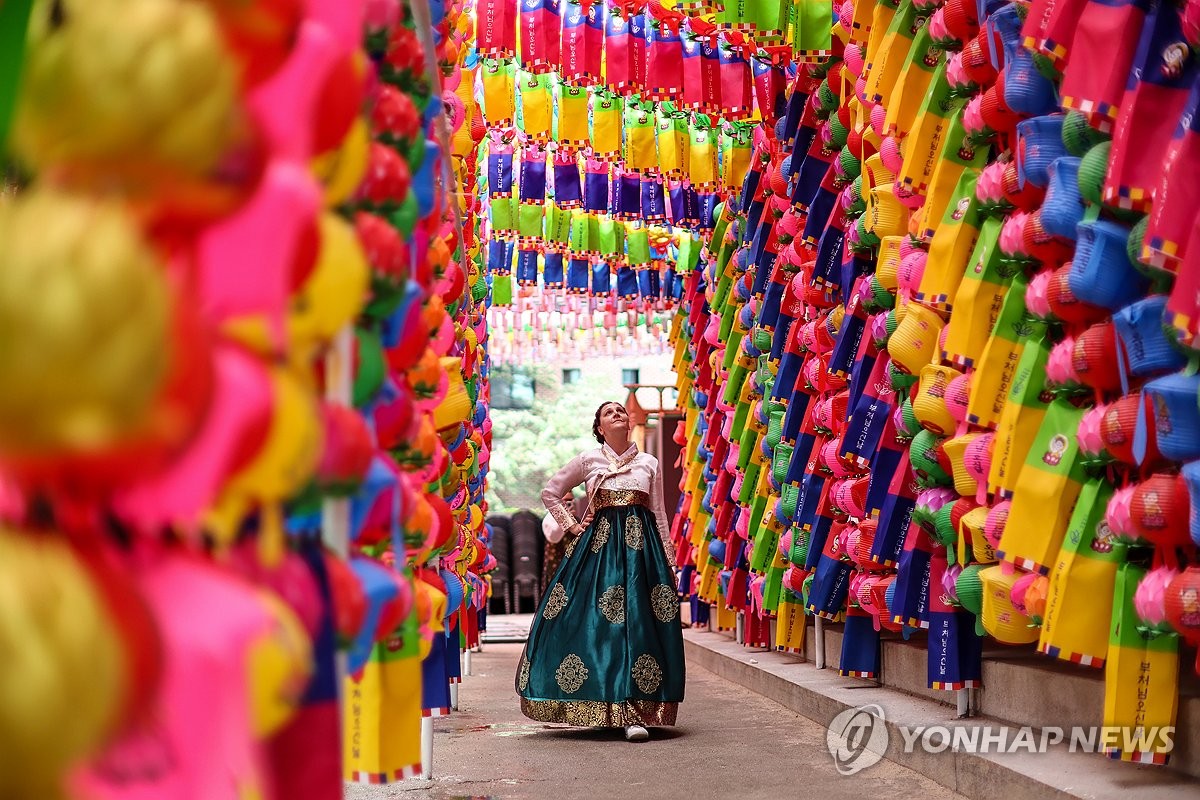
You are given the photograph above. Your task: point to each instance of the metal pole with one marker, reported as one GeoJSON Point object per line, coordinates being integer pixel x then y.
{"type": "Point", "coordinates": [963, 696]}
{"type": "Point", "coordinates": [335, 513]}
{"type": "Point", "coordinates": [426, 747]}
{"type": "Point", "coordinates": [423, 22]}
{"type": "Point", "coordinates": [820, 641]}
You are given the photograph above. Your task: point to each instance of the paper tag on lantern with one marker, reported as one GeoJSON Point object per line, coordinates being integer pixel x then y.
{"type": "Point", "coordinates": [558, 227]}
{"type": "Point", "coordinates": [503, 216]}
{"type": "Point", "coordinates": [735, 154]}
{"type": "Point", "coordinates": [737, 96]}
{"type": "Point", "coordinates": [596, 186]}
{"type": "Point", "coordinates": [618, 189]}
{"type": "Point", "coordinates": [702, 159]}
{"type": "Point", "coordinates": [1046, 491]}
{"type": "Point", "coordinates": [766, 18]}
{"type": "Point", "coordinates": [951, 247]}
{"type": "Point", "coordinates": [909, 91]}
{"type": "Point", "coordinates": [496, 30]}
{"type": "Point", "coordinates": [653, 203]}
{"type": "Point", "coordinates": [606, 124]}
{"type": "Point", "coordinates": [1141, 679]}
{"type": "Point", "coordinates": [664, 70]}
{"type": "Point", "coordinates": [533, 175]}
{"type": "Point", "coordinates": [1021, 418]}
{"type": "Point", "coordinates": [627, 285]}
{"type": "Point", "coordinates": [618, 67]}
{"type": "Point", "coordinates": [552, 270]}
{"type": "Point", "coordinates": [1079, 600]}
{"type": "Point", "coordinates": [811, 35]}
{"type": "Point", "coordinates": [530, 219]}
{"type": "Point", "coordinates": [537, 105]}
{"type": "Point", "coordinates": [675, 203]}
{"type": "Point", "coordinates": [527, 266]}
{"type": "Point", "coordinates": [630, 196]}
{"type": "Point", "coordinates": [998, 362]}
{"type": "Point", "coordinates": [540, 32]}
{"type": "Point", "coordinates": [593, 35]}
{"type": "Point", "coordinates": [770, 96]}
{"type": "Point", "coordinates": [574, 65]}
{"type": "Point", "coordinates": [691, 73]}
{"type": "Point", "coordinates": [640, 149]}
{"type": "Point", "coordinates": [691, 206]}
{"type": "Point", "coordinates": [710, 76]}
{"type": "Point", "coordinates": [502, 290]}
{"type": "Point", "coordinates": [638, 51]}
{"type": "Point", "coordinates": [577, 243]}
{"type": "Point", "coordinates": [571, 117]}
{"type": "Point", "coordinates": [593, 223]}
{"type": "Point", "coordinates": [956, 157]}
{"type": "Point", "coordinates": [601, 279]}
{"type": "Point", "coordinates": [567, 190]}
{"type": "Point", "coordinates": [500, 175]}
{"type": "Point", "coordinates": [669, 156]}
{"type": "Point", "coordinates": [638, 242]}
{"type": "Point", "coordinates": [499, 103]}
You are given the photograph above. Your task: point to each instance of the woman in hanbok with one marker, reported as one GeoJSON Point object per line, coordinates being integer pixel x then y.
{"type": "Point", "coordinates": [606, 645]}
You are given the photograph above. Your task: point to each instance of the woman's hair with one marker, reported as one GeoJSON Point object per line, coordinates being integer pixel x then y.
{"type": "Point", "coordinates": [596, 422]}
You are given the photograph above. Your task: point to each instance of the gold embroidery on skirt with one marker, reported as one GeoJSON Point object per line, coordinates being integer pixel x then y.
{"type": "Point", "coordinates": [647, 674]}
{"type": "Point", "coordinates": [523, 675]}
{"type": "Point", "coordinates": [600, 537]}
{"type": "Point", "coordinates": [571, 674]}
{"type": "Point", "coordinates": [612, 604]}
{"type": "Point", "coordinates": [599, 714]}
{"type": "Point", "coordinates": [665, 602]}
{"type": "Point", "coordinates": [633, 532]}
{"type": "Point", "coordinates": [556, 602]}
{"type": "Point", "coordinates": [571, 547]}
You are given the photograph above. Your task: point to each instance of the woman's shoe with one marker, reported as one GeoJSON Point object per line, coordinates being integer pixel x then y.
{"type": "Point", "coordinates": [636, 733]}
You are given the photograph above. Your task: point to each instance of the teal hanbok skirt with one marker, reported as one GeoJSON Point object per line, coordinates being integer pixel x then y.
{"type": "Point", "coordinates": [606, 645]}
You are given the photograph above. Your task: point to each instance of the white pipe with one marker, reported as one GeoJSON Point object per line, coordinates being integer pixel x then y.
{"type": "Point", "coordinates": [426, 747]}
{"type": "Point", "coordinates": [466, 662]}
{"type": "Point", "coordinates": [819, 635]}
{"type": "Point", "coordinates": [454, 696]}
{"type": "Point", "coordinates": [739, 629]}
{"type": "Point", "coordinates": [963, 696]}
{"type": "Point", "coordinates": [335, 514]}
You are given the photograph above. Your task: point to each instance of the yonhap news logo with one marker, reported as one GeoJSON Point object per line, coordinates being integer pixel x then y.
{"type": "Point", "coordinates": [858, 738]}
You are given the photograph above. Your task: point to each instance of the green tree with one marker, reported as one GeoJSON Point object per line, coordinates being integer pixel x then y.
{"type": "Point", "coordinates": [528, 447]}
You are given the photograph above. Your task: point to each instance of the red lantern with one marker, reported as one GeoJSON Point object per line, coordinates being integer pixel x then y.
{"type": "Point", "coordinates": [405, 53]}
{"type": "Point", "coordinates": [386, 251]}
{"type": "Point", "coordinates": [349, 449]}
{"type": "Point", "coordinates": [339, 103]}
{"type": "Point", "coordinates": [394, 418]}
{"type": "Point", "coordinates": [394, 117]}
{"type": "Point", "coordinates": [259, 33]}
{"type": "Point", "coordinates": [348, 600]}
{"type": "Point", "coordinates": [387, 179]}
{"type": "Point", "coordinates": [1183, 607]}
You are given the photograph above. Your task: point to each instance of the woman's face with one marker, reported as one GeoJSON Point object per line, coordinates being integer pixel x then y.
{"type": "Point", "coordinates": [614, 419]}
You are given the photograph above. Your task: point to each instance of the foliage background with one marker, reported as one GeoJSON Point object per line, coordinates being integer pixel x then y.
{"type": "Point", "coordinates": [528, 447]}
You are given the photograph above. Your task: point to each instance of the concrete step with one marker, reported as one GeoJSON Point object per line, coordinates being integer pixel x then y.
{"type": "Point", "coordinates": [821, 694]}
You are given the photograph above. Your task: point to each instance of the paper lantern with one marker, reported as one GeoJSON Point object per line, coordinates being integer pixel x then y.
{"type": "Point", "coordinates": [85, 312]}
